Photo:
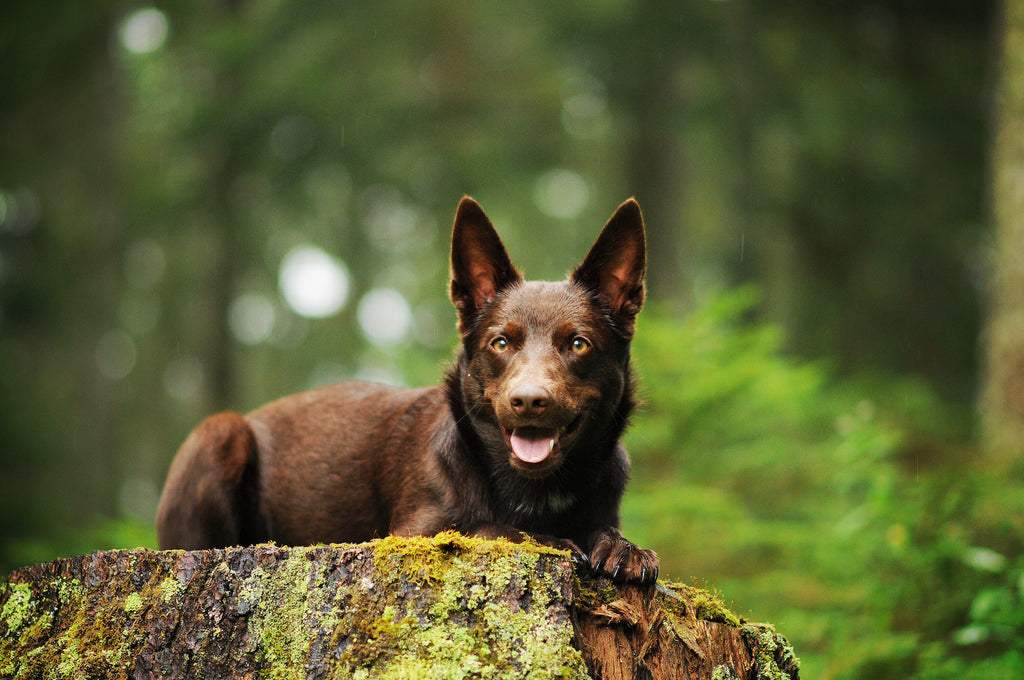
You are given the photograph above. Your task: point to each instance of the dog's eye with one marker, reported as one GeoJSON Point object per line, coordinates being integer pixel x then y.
{"type": "Point", "coordinates": [499, 344]}
{"type": "Point", "coordinates": [580, 345]}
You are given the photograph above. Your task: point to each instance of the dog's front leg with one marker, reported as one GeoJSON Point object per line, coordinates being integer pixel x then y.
{"type": "Point", "coordinates": [612, 555]}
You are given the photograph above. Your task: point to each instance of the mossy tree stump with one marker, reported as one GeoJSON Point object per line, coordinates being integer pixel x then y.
{"type": "Point", "coordinates": [441, 607]}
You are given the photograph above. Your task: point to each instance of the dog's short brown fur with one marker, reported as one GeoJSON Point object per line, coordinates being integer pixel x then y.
{"type": "Point", "coordinates": [523, 436]}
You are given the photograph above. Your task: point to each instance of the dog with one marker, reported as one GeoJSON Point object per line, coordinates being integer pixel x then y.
{"type": "Point", "coordinates": [521, 439]}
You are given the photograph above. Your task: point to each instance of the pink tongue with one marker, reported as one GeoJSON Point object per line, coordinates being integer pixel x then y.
{"type": "Point", "coordinates": [531, 444]}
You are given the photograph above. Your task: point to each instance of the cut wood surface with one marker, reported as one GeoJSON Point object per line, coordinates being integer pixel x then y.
{"type": "Point", "coordinates": [440, 607]}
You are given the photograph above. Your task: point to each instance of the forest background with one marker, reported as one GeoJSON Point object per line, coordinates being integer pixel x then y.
{"type": "Point", "coordinates": [207, 205]}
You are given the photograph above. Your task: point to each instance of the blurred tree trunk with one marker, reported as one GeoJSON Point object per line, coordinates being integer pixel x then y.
{"type": "Point", "coordinates": [657, 171]}
{"type": "Point", "coordinates": [222, 288]}
{"type": "Point", "coordinates": [61, 110]}
{"type": "Point", "coordinates": [1002, 401]}
{"type": "Point", "coordinates": [231, 252]}
{"type": "Point", "coordinates": [656, 163]}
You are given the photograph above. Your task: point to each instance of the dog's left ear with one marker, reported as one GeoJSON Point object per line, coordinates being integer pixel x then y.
{"type": "Point", "coordinates": [481, 267]}
{"type": "Point", "coordinates": [615, 266]}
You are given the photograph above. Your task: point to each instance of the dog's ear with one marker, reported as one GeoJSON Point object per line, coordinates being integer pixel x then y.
{"type": "Point", "coordinates": [480, 265]}
{"type": "Point", "coordinates": [615, 266]}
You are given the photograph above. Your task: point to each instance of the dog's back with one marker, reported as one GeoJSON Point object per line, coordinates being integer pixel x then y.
{"type": "Point", "coordinates": [313, 467]}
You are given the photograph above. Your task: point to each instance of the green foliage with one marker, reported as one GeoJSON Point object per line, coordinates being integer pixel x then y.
{"type": "Point", "coordinates": [846, 511]}
{"type": "Point", "coordinates": [102, 533]}
{"type": "Point", "coordinates": [713, 381]}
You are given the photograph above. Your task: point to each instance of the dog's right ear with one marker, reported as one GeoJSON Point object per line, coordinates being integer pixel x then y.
{"type": "Point", "coordinates": [480, 265]}
{"type": "Point", "coordinates": [615, 266]}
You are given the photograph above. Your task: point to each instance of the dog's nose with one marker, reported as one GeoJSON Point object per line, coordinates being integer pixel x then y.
{"type": "Point", "coordinates": [529, 400]}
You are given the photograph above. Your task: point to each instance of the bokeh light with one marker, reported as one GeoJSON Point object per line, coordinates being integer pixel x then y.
{"type": "Point", "coordinates": [313, 283]}
{"type": "Point", "coordinates": [20, 210]}
{"type": "Point", "coordinates": [116, 354]}
{"type": "Point", "coordinates": [251, 318]}
{"type": "Point", "coordinates": [137, 499]}
{"type": "Point", "coordinates": [144, 31]}
{"type": "Point", "coordinates": [585, 106]}
{"type": "Point", "coordinates": [139, 312]}
{"type": "Point", "coordinates": [384, 316]}
{"type": "Point", "coordinates": [145, 263]}
{"type": "Point", "coordinates": [561, 193]}
{"type": "Point", "coordinates": [183, 378]}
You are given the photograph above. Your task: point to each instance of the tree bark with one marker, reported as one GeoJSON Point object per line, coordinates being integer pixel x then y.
{"type": "Point", "coordinates": [441, 607]}
{"type": "Point", "coordinates": [1002, 403]}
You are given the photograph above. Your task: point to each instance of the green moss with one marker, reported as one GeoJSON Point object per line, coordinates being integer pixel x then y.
{"type": "Point", "coordinates": [18, 612]}
{"type": "Point", "coordinates": [85, 639]}
{"type": "Point", "coordinates": [133, 603]}
{"type": "Point", "coordinates": [709, 607]}
{"type": "Point", "coordinates": [100, 628]}
{"type": "Point", "coordinates": [70, 660]}
{"type": "Point", "coordinates": [442, 606]}
{"type": "Point", "coordinates": [171, 589]}
{"type": "Point", "coordinates": [18, 607]}
{"type": "Point", "coordinates": [278, 598]}
{"type": "Point", "coordinates": [593, 593]}
{"type": "Point", "coordinates": [767, 652]}
{"type": "Point", "coordinates": [432, 557]}
{"type": "Point", "coordinates": [723, 673]}
{"type": "Point", "coordinates": [469, 590]}
{"type": "Point", "coordinates": [27, 628]}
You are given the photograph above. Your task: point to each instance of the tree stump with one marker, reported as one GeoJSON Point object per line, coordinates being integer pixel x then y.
{"type": "Point", "coordinates": [441, 607]}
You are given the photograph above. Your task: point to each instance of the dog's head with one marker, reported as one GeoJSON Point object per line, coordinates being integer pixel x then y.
{"type": "Point", "coordinates": [545, 365]}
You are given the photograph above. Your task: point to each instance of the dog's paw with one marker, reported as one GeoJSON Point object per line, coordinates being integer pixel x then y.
{"type": "Point", "coordinates": [579, 558]}
{"type": "Point", "coordinates": [621, 561]}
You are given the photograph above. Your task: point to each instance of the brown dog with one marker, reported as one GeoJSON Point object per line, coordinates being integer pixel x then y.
{"type": "Point", "coordinates": [523, 437]}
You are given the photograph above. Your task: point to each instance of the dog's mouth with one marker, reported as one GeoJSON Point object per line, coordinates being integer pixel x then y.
{"type": "Point", "coordinates": [538, 449]}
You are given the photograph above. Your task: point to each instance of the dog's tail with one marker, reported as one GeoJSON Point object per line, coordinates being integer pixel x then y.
{"type": "Point", "coordinates": [208, 500]}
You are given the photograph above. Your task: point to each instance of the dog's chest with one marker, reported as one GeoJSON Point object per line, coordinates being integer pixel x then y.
{"type": "Point", "coordinates": [544, 503]}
